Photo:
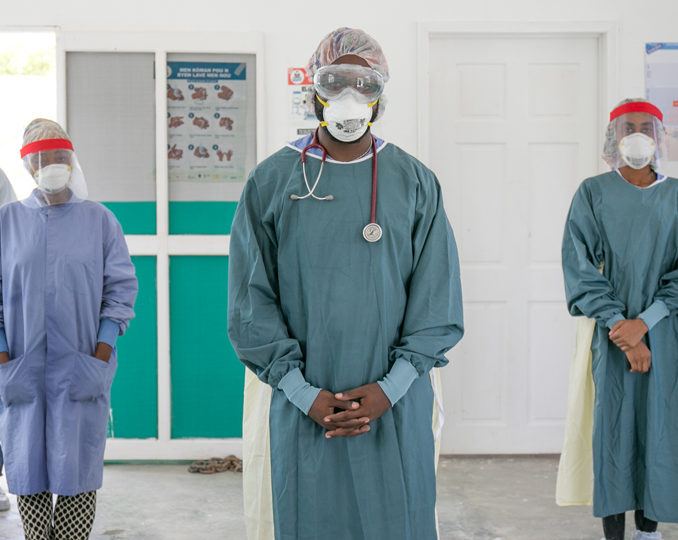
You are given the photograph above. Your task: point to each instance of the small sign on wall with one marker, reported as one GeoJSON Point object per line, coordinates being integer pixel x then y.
{"type": "Point", "coordinates": [300, 91]}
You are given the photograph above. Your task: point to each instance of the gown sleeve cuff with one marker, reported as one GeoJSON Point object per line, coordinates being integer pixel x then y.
{"type": "Point", "coordinates": [397, 382]}
{"type": "Point", "coordinates": [3, 341]}
{"type": "Point", "coordinates": [108, 332]}
{"type": "Point", "coordinates": [655, 313]}
{"type": "Point", "coordinates": [299, 392]}
{"type": "Point", "coordinates": [614, 320]}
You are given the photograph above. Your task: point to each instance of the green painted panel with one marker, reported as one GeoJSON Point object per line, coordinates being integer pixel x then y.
{"type": "Point", "coordinates": [134, 397]}
{"type": "Point", "coordinates": [201, 217]}
{"type": "Point", "coordinates": [207, 378]}
{"type": "Point", "coordinates": [135, 217]}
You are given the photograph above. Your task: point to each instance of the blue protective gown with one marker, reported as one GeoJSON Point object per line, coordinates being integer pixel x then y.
{"type": "Point", "coordinates": [307, 291]}
{"type": "Point", "coordinates": [632, 234]}
{"type": "Point", "coordinates": [7, 195]}
{"type": "Point", "coordinates": [64, 269]}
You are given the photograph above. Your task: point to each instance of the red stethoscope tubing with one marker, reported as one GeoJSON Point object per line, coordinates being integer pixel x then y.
{"type": "Point", "coordinates": [315, 143]}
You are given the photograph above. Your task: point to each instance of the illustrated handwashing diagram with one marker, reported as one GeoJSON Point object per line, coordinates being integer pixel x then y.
{"type": "Point", "coordinates": [206, 121]}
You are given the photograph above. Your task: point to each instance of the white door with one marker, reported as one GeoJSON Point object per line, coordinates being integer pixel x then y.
{"type": "Point", "coordinates": [513, 130]}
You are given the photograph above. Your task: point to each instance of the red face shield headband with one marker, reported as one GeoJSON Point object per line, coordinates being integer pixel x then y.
{"type": "Point", "coordinates": [46, 144]}
{"type": "Point", "coordinates": [637, 106]}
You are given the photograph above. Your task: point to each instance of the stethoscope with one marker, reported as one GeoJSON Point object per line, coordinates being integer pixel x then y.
{"type": "Point", "coordinates": [372, 232]}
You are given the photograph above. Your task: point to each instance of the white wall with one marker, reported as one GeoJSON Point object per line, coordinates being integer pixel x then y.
{"type": "Point", "coordinates": [292, 30]}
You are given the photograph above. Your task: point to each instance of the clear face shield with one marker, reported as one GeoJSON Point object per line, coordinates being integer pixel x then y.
{"type": "Point", "coordinates": [635, 137]}
{"type": "Point", "coordinates": [54, 167]}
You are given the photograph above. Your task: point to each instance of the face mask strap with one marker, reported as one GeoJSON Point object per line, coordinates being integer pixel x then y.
{"type": "Point", "coordinates": [35, 172]}
{"type": "Point", "coordinates": [324, 104]}
{"type": "Point", "coordinates": [327, 103]}
{"type": "Point", "coordinates": [69, 167]}
{"type": "Point", "coordinates": [646, 159]}
{"type": "Point", "coordinates": [324, 124]}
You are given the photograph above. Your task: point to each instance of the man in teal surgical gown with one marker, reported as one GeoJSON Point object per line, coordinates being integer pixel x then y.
{"type": "Point", "coordinates": [343, 294]}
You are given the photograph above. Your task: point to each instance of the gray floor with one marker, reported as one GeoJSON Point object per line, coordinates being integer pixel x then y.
{"type": "Point", "coordinates": [479, 499]}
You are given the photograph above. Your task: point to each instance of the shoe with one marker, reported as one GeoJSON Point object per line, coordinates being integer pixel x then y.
{"type": "Point", "coordinates": [640, 535]}
{"type": "Point", "coordinates": [4, 501]}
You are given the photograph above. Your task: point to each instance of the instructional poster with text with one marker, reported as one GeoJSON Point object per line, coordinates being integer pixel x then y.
{"type": "Point", "coordinates": [206, 121]}
{"type": "Point", "coordinates": [661, 88]}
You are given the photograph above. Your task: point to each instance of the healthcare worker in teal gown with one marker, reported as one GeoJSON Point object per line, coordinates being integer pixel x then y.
{"type": "Point", "coordinates": [620, 260]}
{"type": "Point", "coordinates": [344, 311]}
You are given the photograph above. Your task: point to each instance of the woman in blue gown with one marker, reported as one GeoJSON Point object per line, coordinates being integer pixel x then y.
{"type": "Point", "coordinates": [68, 290]}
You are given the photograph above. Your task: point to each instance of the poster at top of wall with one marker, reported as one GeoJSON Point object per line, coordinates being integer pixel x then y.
{"type": "Point", "coordinates": [300, 92]}
{"type": "Point", "coordinates": [661, 88]}
{"type": "Point", "coordinates": [206, 121]}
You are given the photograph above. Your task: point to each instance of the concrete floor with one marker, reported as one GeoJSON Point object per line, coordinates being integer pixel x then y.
{"type": "Point", "coordinates": [479, 499]}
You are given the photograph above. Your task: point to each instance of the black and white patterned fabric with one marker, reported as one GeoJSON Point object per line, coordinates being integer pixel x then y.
{"type": "Point", "coordinates": [74, 516]}
{"type": "Point", "coordinates": [36, 516]}
{"type": "Point", "coordinates": [70, 519]}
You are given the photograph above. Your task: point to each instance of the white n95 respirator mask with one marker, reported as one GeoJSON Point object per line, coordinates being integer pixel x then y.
{"type": "Point", "coordinates": [346, 118]}
{"type": "Point", "coordinates": [637, 150]}
{"type": "Point", "coordinates": [53, 178]}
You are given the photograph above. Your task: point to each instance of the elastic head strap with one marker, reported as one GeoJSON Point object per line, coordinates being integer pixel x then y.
{"type": "Point", "coordinates": [46, 144]}
{"type": "Point", "coordinates": [326, 103]}
{"type": "Point", "coordinates": [637, 106]}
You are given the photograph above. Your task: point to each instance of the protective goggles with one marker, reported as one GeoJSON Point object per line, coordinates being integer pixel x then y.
{"type": "Point", "coordinates": [333, 81]}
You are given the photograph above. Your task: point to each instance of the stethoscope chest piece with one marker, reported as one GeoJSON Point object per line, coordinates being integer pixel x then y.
{"type": "Point", "coordinates": [372, 232]}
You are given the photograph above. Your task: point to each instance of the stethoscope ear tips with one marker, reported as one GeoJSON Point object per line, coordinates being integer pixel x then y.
{"type": "Point", "coordinates": [295, 197]}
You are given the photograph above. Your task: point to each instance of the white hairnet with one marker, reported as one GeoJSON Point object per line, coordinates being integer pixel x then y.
{"type": "Point", "coordinates": [41, 129]}
{"type": "Point", "coordinates": [615, 133]}
{"type": "Point", "coordinates": [343, 41]}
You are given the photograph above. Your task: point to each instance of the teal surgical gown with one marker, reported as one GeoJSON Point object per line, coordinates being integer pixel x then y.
{"type": "Point", "coordinates": [307, 291]}
{"type": "Point", "coordinates": [632, 235]}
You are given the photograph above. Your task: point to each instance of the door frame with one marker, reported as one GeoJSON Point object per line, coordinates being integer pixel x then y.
{"type": "Point", "coordinates": [162, 245]}
{"type": "Point", "coordinates": [606, 33]}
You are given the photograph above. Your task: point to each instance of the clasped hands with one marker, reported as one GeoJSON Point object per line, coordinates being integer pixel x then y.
{"type": "Point", "coordinates": [628, 336]}
{"type": "Point", "coordinates": [349, 413]}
